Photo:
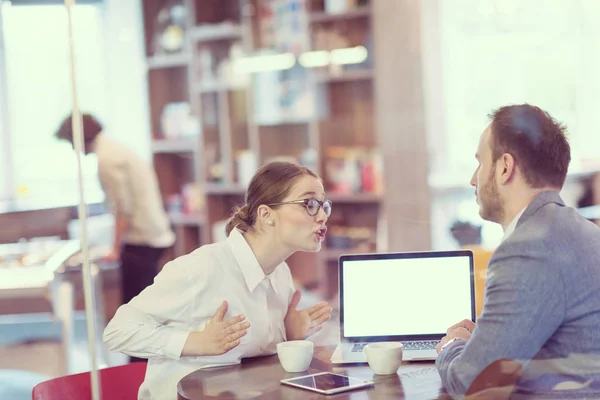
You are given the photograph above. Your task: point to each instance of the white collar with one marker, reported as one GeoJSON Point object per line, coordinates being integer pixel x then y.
{"type": "Point", "coordinates": [513, 225]}
{"type": "Point", "coordinates": [247, 261]}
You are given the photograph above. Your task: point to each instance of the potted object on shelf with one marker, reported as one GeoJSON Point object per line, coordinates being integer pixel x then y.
{"type": "Point", "coordinates": [193, 198]}
{"type": "Point", "coordinates": [342, 170]}
{"type": "Point", "coordinates": [170, 28]}
{"type": "Point", "coordinates": [247, 165]}
{"type": "Point", "coordinates": [336, 6]}
{"type": "Point", "coordinates": [178, 121]}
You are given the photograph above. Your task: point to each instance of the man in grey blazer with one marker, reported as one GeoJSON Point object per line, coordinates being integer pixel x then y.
{"type": "Point", "coordinates": [542, 293]}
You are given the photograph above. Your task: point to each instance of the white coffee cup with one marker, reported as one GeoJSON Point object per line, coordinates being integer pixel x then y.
{"type": "Point", "coordinates": [295, 355]}
{"type": "Point", "coordinates": [384, 358]}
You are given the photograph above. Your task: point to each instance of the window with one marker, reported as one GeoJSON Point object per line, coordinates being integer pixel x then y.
{"type": "Point", "coordinates": [497, 52]}
{"type": "Point", "coordinates": [5, 164]}
{"type": "Point", "coordinates": [39, 95]}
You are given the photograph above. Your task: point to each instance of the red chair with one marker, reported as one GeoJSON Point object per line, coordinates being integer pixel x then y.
{"type": "Point", "coordinates": [116, 383]}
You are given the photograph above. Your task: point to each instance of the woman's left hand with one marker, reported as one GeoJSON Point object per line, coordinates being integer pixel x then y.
{"type": "Point", "coordinates": [301, 324]}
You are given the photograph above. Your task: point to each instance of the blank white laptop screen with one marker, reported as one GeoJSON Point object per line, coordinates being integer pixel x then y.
{"type": "Point", "coordinates": [408, 296]}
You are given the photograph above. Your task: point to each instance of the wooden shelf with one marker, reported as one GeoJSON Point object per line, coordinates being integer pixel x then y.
{"type": "Point", "coordinates": [186, 219]}
{"type": "Point", "coordinates": [285, 121]}
{"type": "Point", "coordinates": [224, 189]}
{"type": "Point", "coordinates": [322, 17]}
{"type": "Point", "coordinates": [207, 33]}
{"type": "Point", "coordinates": [168, 61]}
{"type": "Point", "coordinates": [350, 76]}
{"type": "Point", "coordinates": [182, 145]}
{"type": "Point", "coordinates": [218, 88]}
{"type": "Point", "coordinates": [354, 198]}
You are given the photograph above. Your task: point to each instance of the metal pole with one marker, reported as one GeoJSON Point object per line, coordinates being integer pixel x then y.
{"type": "Point", "coordinates": [87, 278]}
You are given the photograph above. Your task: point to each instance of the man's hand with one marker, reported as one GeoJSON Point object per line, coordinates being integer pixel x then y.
{"type": "Point", "coordinates": [465, 323]}
{"type": "Point", "coordinates": [301, 324]}
{"type": "Point", "coordinates": [218, 337]}
{"type": "Point", "coordinates": [462, 330]}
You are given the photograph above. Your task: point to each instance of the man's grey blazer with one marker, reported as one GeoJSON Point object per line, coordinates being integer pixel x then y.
{"type": "Point", "coordinates": [542, 300]}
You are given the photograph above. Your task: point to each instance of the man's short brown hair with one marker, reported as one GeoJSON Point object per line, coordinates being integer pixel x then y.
{"type": "Point", "coordinates": [91, 128]}
{"type": "Point", "coordinates": [536, 141]}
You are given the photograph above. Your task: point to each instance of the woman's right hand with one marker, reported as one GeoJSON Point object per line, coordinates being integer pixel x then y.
{"type": "Point", "coordinates": [218, 337]}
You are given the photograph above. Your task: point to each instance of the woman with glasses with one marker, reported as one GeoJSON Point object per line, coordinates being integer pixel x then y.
{"type": "Point", "coordinates": [233, 299]}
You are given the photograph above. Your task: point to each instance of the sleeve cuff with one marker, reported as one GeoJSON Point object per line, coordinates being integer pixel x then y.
{"type": "Point", "coordinates": [175, 344]}
{"type": "Point", "coordinates": [448, 354]}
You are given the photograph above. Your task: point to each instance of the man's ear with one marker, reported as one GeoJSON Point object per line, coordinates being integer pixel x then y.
{"type": "Point", "coordinates": [506, 168]}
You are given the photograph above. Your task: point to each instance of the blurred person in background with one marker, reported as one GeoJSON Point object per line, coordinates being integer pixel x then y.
{"type": "Point", "coordinates": [142, 229]}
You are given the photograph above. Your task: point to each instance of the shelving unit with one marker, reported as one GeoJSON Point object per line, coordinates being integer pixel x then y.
{"type": "Point", "coordinates": [198, 34]}
{"type": "Point", "coordinates": [322, 16]}
{"type": "Point", "coordinates": [180, 145]}
{"type": "Point", "coordinates": [168, 61]}
{"type": "Point", "coordinates": [341, 126]}
{"type": "Point", "coordinates": [352, 76]}
{"type": "Point", "coordinates": [186, 219]}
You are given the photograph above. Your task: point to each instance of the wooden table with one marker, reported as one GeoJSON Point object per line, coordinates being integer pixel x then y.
{"type": "Point", "coordinates": [258, 378]}
{"type": "Point", "coordinates": [52, 276]}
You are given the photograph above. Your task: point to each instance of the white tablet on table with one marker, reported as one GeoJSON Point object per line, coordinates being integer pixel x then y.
{"type": "Point", "coordinates": [327, 383]}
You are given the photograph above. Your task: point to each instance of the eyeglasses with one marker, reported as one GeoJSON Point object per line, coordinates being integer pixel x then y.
{"type": "Point", "coordinates": [312, 205]}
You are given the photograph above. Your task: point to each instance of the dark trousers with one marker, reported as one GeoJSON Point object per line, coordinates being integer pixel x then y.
{"type": "Point", "coordinates": [139, 266]}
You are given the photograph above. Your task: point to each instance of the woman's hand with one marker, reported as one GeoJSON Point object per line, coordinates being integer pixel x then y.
{"type": "Point", "coordinates": [218, 337]}
{"type": "Point", "coordinates": [301, 324]}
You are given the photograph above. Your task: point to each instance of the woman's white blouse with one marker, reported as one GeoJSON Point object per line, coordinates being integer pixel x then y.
{"type": "Point", "coordinates": [184, 297]}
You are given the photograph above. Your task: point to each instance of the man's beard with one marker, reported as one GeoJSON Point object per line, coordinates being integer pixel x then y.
{"type": "Point", "coordinates": [492, 207]}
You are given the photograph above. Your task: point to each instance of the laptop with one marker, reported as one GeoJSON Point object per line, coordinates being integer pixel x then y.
{"type": "Point", "coordinates": [411, 298]}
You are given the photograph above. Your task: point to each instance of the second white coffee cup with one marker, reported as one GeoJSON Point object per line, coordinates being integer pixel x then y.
{"type": "Point", "coordinates": [295, 355]}
{"type": "Point", "coordinates": [384, 358]}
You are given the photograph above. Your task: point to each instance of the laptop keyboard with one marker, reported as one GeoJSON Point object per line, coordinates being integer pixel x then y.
{"type": "Point", "coordinates": [421, 345]}
{"type": "Point", "coordinates": [424, 345]}
{"type": "Point", "coordinates": [358, 347]}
